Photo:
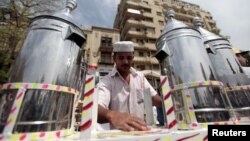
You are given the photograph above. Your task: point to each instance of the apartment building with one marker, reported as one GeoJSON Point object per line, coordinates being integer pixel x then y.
{"type": "Point", "coordinates": [142, 22]}
{"type": "Point", "coordinates": [99, 46]}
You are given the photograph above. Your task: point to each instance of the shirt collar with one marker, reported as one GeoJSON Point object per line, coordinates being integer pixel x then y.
{"type": "Point", "coordinates": [132, 71]}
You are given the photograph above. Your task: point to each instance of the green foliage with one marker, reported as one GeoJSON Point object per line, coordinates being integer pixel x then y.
{"type": "Point", "coordinates": [5, 63]}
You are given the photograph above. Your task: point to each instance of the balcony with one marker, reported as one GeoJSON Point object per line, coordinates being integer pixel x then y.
{"type": "Point", "coordinates": [137, 5]}
{"type": "Point", "coordinates": [131, 4]}
{"type": "Point", "coordinates": [106, 62]}
{"type": "Point", "coordinates": [135, 23]}
{"type": "Point", "coordinates": [104, 48]}
{"type": "Point", "coordinates": [153, 60]}
{"type": "Point", "coordinates": [145, 6]}
{"type": "Point", "coordinates": [166, 5]}
{"type": "Point", "coordinates": [151, 35]}
{"type": "Point", "coordinates": [140, 46]}
{"type": "Point", "coordinates": [184, 16]}
{"type": "Point", "coordinates": [132, 13]}
{"type": "Point", "coordinates": [136, 34]}
{"type": "Point", "coordinates": [212, 22]}
{"type": "Point", "coordinates": [150, 46]}
{"type": "Point", "coordinates": [148, 24]}
{"type": "Point", "coordinates": [146, 14]}
{"type": "Point", "coordinates": [141, 59]}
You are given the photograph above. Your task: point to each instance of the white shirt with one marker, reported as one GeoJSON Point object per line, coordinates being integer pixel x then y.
{"type": "Point", "coordinates": [116, 94]}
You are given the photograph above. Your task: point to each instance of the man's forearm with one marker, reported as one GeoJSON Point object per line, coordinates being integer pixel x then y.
{"type": "Point", "coordinates": [157, 101]}
{"type": "Point", "coordinates": [103, 114]}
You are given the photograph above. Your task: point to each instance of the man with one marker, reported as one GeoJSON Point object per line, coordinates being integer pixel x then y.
{"type": "Point", "coordinates": [120, 93]}
{"type": "Point", "coordinates": [243, 61]}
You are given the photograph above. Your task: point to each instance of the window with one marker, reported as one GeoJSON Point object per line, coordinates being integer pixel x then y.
{"type": "Point", "coordinates": [158, 13]}
{"type": "Point", "coordinates": [146, 10]}
{"type": "Point", "coordinates": [156, 67]}
{"type": "Point", "coordinates": [148, 53]}
{"type": "Point", "coordinates": [153, 53]}
{"type": "Point", "coordinates": [145, 2]}
{"type": "Point", "coordinates": [104, 73]}
{"type": "Point", "coordinates": [141, 67]}
{"type": "Point", "coordinates": [161, 22]}
{"type": "Point", "coordinates": [157, 3]}
{"type": "Point", "coordinates": [150, 30]}
{"type": "Point", "coordinates": [140, 41]}
{"type": "Point", "coordinates": [152, 41]}
{"type": "Point", "coordinates": [147, 19]}
{"type": "Point", "coordinates": [106, 41]}
{"type": "Point", "coordinates": [106, 57]}
{"type": "Point", "coordinates": [151, 81]}
{"type": "Point", "coordinates": [141, 54]}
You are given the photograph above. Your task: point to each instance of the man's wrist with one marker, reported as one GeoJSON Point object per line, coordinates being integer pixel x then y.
{"type": "Point", "coordinates": [109, 115]}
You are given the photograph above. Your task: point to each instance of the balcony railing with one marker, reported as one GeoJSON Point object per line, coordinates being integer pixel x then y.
{"type": "Point", "coordinates": [141, 59]}
{"type": "Point", "coordinates": [104, 61]}
{"type": "Point", "coordinates": [153, 60]}
{"type": "Point", "coordinates": [138, 4]}
{"type": "Point", "coordinates": [138, 34]}
{"type": "Point", "coordinates": [149, 24]}
{"type": "Point", "coordinates": [151, 46]}
{"type": "Point", "coordinates": [106, 45]}
{"type": "Point", "coordinates": [184, 16]}
{"type": "Point", "coordinates": [134, 22]}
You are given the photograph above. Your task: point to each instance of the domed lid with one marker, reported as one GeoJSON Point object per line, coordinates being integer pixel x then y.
{"type": "Point", "coordinates": [206, 35]}
{"type": "Point", "coordinates": [172, 23]}
{"type": "Point", "coordinates": [64, 14]}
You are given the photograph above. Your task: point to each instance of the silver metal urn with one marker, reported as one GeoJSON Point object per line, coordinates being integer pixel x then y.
{"type": "Point", "coordinates": [185, 62]}
{"type": "Point", "coordinates": [227, 70]}
{"type": "Point", "coordinates": [47, 77]}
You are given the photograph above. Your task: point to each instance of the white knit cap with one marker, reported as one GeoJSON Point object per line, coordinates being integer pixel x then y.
{"type": "Point", "coordinates": [123, 46]}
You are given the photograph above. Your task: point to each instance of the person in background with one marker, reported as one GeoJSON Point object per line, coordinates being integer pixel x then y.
{"type": "Point", "coordinates": [243, 61]}
{"type": "Point", "coordinates": [120, 93]}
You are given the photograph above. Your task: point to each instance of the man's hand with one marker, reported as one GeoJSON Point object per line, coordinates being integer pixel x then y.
{"type": "Point", "coordinates": [125, 121]}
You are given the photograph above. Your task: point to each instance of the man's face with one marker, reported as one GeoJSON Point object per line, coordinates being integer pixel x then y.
{"type": "Point", "coordinates": [241, 59]}
{"type": "Point", "coordinates": [124, 61]}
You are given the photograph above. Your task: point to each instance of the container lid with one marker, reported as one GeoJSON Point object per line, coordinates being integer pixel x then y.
{"type": "Point", "coordinates": [206, 35]}
{"type": "Point", "coordinates": [65, 14]}
{"type": "Point", "coordinates": [172, 23]}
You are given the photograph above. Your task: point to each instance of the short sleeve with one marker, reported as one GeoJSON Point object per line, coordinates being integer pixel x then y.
{"type": "Point", "coordinates": [104, 92]}
{"type": "Point", "coordinates": [148, 85]}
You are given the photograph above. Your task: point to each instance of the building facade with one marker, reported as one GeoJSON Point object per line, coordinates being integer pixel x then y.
{"type": "Point", "coordinates": [142, 22]}
{"type": "Point", "coordinates": [99, 46]}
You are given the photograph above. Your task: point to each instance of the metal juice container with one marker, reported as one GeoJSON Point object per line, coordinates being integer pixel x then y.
{"type": "Point", "coordinates": [47, 77]}
{"type": "Point", "coordinates": [227, 69]}
{"type": "Point", "coordinates": [190, 73]}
